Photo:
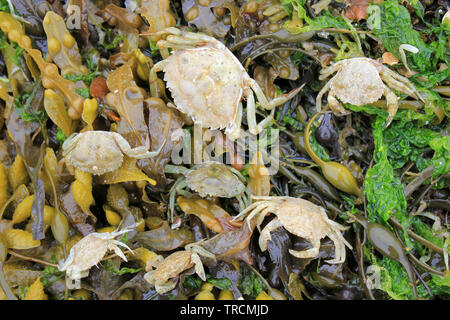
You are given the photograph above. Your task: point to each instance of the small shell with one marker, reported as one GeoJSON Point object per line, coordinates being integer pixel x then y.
{"type": "Point", "coordinates": [303, 218]}
{"type": "Point", "coordinates": [214, 179]}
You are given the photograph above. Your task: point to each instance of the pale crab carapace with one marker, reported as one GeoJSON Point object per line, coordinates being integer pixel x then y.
{"type": "Point", "coordinates": [98, 152]}
{"type": "Point", "coordinates": [299, 217]}
{"type": "Point", "coordinates": [361, 81]}
{"type": "Point", "coordinates": [207, 82]}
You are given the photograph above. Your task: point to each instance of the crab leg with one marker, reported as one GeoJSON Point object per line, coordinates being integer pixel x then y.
{"type": "Point", "coordinates": [404, 82]}
{"type": "Point", "coordinates": [199, 270]}
{"type": "Point", "coordinates": [263, 214]}
{"type": "Point", "coordinates": [260, 211]}
{"type": "Point", "coordinates": [392, 103]}
{"type": "Point", "coordinates": [274, 102]}
{"type": "Point", "coordinates": [309, 253]}
{"type": "Point", "coordinates": [251, 111]}
{"type": "Point", "coordinates": [153, 78]}
{"type": "Point", "coordinates": [197, 248]}
{"type": "Point", "coordinates": [254, 210]}
{"type": "Point", "coordinates": [238, 174]}
{"type": "Point", "coordinates": [244, 199]}
{"type": "Point", "coordinates": [248, 197]}
{"type": "Point", "coordinates": [180, 184]}
{"type": "Point", "coordinates": [265, 233]}
{"type": "Point", "coordinates": [241, 202]}
{"type": "Point", "coordinates": [325, 88]}
{"type": "Point", "coordinates": [393, 84]}
{"type": "Point", "coordinates": [399, 86]}
{"type": "Point", "coordinates": [337, 227]}
{"type": "Point", "coordinates": [251, 116]}
{"type": "Point", "coordinates": [166, 287]}
{"type": "Point", "coordinates": [176, 35]}
{"type": "Point", "coordinates": [116, 249]}
{"type": "Point", "coordinates": [325, 73]}
{"type": "Point", "coordinates": [175, 45]}
{"type": "Point", "coordinates": [279, 200]}
{"type": "Point", "coordinates": [233, 131]}
{"type": "Point", "coordinates": [283, 98]}
{"type": "Point", "coordinates": [141, 152]}
{"type": "Point", "coordinates": [335, 105]}
{"type": "Point", "coordinates": [170, 30]}
{"type": "Point", "coordinates": [186, 40]}
{"type": "Point", "coordinates": [138, 152]}
{"type": "Point", "coordinates": [341, 237]}
{"type": "Point", "coordinates": [244, 213]}
{"type": "Point", "coordinates": [69, 144]}
{"type": "Point", "coordinates": [196, 38]}
{"type": "Point", "coordinates": [339, 247]}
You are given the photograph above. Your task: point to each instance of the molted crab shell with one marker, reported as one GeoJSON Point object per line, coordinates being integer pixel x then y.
{"type": "Point", "coordinates": [172, 266]}
{"type": "Point", "coordinates": [358, 82]}
{"type": "Point", "coordinates": [95, 152]}
{"type": "Point", "coordinates": [85, 254]}
{"type": "Point", "coordinates": [206, 83]}
{"type": "Point", "coordinates": [214, 179]}
{"type": "Point", "coordinates": [89, 251]}
{"type": "Point", "coordinates": [303, 218]}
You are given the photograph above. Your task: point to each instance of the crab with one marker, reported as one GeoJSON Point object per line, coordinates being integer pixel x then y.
{"type": "Point", "coordinates": [98, 152]}
{"type": "Point", "coordinates": [165, 277]}
{"type": "Point", "coordinates": [301, 218]}
{"type": "Point", "coordinates": [210, 178]}
{"type": "Point", "coordinates": [208, 82]}
{"type": "Point", "coordinates": [89, 251]}
{"type": "Point", "coordinates": [361, 81]}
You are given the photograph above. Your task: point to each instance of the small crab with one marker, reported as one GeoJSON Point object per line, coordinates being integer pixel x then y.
{"type": "Point", "coordinates": [165, 276]}
{"type": "Point", "coordinates": [359, 81]}
{"type": "Point", "coordinates": [98, 152]}
{"type": "Point", "coordinates": [210, 178]}
{"type": "Point", "coordinates": [208, 82]}
{"type": "Point", "coordinates": [89, 251]}
{"type": "Point", "coordinates": [301, 218]}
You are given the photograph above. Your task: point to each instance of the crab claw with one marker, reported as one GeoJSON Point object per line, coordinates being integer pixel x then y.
{"type": "Point", "coordinates": [170, 30]}
{"type": "Point", "coordinates": [283, 98]}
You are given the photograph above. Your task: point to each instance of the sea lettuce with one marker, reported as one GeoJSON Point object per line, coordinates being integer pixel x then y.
{"type": "Point", "coordinates": [383, 188]}
{"type": "Point", "coordinates": [393, 26]}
